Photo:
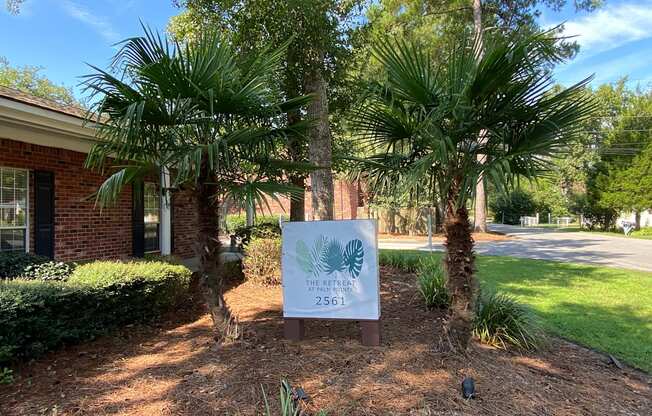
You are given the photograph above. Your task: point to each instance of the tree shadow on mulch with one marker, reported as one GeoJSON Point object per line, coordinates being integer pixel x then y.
{"type": "Point", "coordinates": [180, 370]}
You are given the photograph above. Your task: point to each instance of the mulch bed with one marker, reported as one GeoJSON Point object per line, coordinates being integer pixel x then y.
{"type": "Point", "coordinates": [177, 369]}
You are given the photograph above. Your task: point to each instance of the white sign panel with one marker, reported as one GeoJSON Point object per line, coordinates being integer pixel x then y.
{"type": "Point", "coordinates": [330, 270]}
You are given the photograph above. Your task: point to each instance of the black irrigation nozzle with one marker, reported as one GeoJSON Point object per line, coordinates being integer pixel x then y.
{"type": "Point", "coordinates": [468, 388]}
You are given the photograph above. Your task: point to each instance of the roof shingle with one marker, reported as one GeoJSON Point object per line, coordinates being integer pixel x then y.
{"type": "Point", "coordinates": [22, 97]}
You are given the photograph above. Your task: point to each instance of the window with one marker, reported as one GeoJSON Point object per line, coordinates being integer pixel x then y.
{"type": "Point", "coordinates": [13, 209]}
{"type": "Point", "coordinates": [151, 208]}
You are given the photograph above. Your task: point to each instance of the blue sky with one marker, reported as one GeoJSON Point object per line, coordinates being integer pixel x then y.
{"type": "Point", "coordinates": [61, 35]}
{"type": "Point", "coordinates": [615, 41]}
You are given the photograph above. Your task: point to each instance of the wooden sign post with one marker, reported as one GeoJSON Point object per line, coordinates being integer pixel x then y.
{"type": "Point", "coordinates": [330, 271]}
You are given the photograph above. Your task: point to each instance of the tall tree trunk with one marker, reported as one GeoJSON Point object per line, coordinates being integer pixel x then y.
{"type": "Point", "coordinates": [210, 267]}
{"type": "Point", "coordinates": [480, 216]}
{"type": "Point", "coordinates": [460, 269]}
{"type": "Point", "coordinates": [250, 213]}
{"type": "Point", "coordinates": [637, 219]}
{"type": "Point", "coordinates": [295, 148]}
{"type": "Point", "coordinates": [320, 149]}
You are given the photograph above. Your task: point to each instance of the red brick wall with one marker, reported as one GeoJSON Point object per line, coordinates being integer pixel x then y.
{"type": "Point", "coordinates": [345, 204]}
{"type": "Point", "coordinates": [184, 224]}
{"type": "Point", "coordinates": [82, 231]}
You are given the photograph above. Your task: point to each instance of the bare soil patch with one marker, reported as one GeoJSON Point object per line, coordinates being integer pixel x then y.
{"type": "Point", "coordinates": [177, 369]}
{"type": "Point", "coordinates": [489, 236]}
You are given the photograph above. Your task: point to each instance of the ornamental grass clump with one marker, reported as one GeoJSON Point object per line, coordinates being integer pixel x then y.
{"type": "Point", "coordinates": [431, 278]}
{"type": "Point", "coordinates": [404, 260]}
{"type": "Point", "coordinates": [502, 321]}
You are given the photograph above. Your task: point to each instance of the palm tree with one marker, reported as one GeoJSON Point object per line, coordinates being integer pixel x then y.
{"type": "Point", "coordinates": [421, 124]}
{"type": "Point", "coordinates": [206, 113]}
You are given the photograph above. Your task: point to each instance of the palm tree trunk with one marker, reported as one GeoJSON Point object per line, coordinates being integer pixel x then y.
{"type": "Point", "coordinates": [480, 216]}
{"type": "Point", "coordinates": [461, 282]}
{"type": "Point", "coordinates": [210, 267]}
{"type": "Point", "coordinates": [320, 149]}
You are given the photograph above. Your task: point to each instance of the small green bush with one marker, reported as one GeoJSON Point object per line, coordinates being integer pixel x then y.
{"type": "Point", "coordinates": [643, 232]}
{"type": "Point", "coordinates": [265, 230]}
{"type": "Point", "coordinates": [13, 264]}
{"type": "Point", "coordinates": [51, 270]}
{"type": "Point", "coordinates": [37, 316]}
{"type": "Point", "coordinates": [262, 261]}
{"type": "Point", "coordinates": [288, 406]}
{"type": "Point", "coordinates": [405, 260]}
{"type": "Point", "coordinates": [502, 321]}
{"type": "Point", "coordinates": [6, 375]}
{"type": "Point", "coordinates": [235, 221]}
{"type": "Point", "coordinates": [431, 278]}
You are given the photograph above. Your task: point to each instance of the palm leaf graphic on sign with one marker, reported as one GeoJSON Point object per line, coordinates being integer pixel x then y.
{"type": "Point", "coordinates": [317, 253]}
{"type": "Point", "coordinates": [353, 257]}
{"type": "Point", "coordinates": [303, 258]}
{"type": "Point", "coordinates": [333, 257]}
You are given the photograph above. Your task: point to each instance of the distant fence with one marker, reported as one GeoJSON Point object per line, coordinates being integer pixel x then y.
{"type": "Point", "coordinates": [534, 221]}
{"type": "Point", "coordinates": [564, 221]}
{"type": "Point", "coordinates": [529, 221]}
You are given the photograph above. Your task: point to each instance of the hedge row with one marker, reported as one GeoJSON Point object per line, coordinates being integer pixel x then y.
{"type": "Point", "coordinates": [235, 221]}
{"type": "Point", "coordinates": [38, 316]}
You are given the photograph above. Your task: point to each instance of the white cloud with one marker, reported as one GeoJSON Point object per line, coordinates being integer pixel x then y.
{"type": "Point", "coordinates": [611, 26]}
{"type": "Point", "coordinates": [100, 24]}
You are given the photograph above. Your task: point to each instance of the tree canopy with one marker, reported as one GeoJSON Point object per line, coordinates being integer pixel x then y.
{"type": "Point", "coordinates": [28, 79]}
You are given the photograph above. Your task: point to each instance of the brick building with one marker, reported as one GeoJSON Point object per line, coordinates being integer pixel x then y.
{"type": "Point", "coordinates": [46, 204]}
{"type": "Point", "coordinates": [348, 203]}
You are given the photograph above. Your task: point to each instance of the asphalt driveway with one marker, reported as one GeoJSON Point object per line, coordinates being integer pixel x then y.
{"type": "Point", "coordinates": [576, 247]}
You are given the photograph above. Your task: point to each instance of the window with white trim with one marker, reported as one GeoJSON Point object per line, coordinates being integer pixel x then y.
{"type": "Point", "coordinates": [14, 215]}
{"type": "Point", "coordinates": [152, 211]}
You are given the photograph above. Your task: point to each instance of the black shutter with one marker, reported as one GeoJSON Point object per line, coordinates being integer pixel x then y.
{"type": "Point", "coordinates": [44, 213]}
{"type": "Point", "coordinates": [138, 219]}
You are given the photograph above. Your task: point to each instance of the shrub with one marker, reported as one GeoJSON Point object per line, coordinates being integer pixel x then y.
{"type": "Point", "coordinates": [13, 264]}
{"type": "Point", "coordinates": [405, 260]}
{"type": "Point", "coordinates": [6, 375]}
{"type": "Point", "coordinates": [502, 321]}
{"type": "Point", "coordinates": [511, 207]}
{"type": "Point", "coordinates": [37, 316]}
{"type": "Point", "coordinates": [289, 401]}
{"type": "Point", "coordinates": [235, 221]}
{"type": "Point", "coordinates": [262, 261]}
{"type": "Point", "coordinates": [266, 230]}
{"type": "Point", "coordinates": [431, 278]}
{"type": "Point", "coordinates": [51, 270]}
{"type": "Point", "coordinates": [643, 232]}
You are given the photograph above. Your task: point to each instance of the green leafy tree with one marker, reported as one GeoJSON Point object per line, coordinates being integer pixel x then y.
{"type": "Point", "coordinates": [321, 34]}
{"type": "Point", "coordinates": [28, 79]}
{"type": "Point", "coordinates": [13, 6]}
{"type": "Point", "coordinates": [203, 110]}
{"type": "Point", "coordinates": [436, 23]}
{"type": "Point", "coordinates": [508, 208]}
{"type": "Point", "coordinates": [620, 134]}
{"type": "Point", "coordinates": [423, 121]}
{"type": "Point", "coordinates": [630, 189]}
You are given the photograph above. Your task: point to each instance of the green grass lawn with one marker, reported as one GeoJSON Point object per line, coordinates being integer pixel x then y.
{"type": "Point", "coordinates": [574, 228]}
{"type": "Point", "coordinates": [620, 234]}
{"type": "Point", "coordinates": [607, 309]}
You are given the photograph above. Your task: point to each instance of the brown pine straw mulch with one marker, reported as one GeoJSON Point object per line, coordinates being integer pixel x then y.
{"type": "Point", "coordinates": [177, 369]}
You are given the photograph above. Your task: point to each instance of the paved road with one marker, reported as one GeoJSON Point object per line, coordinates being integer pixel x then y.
{"type": "Point", "coordinates": [544, 244]}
